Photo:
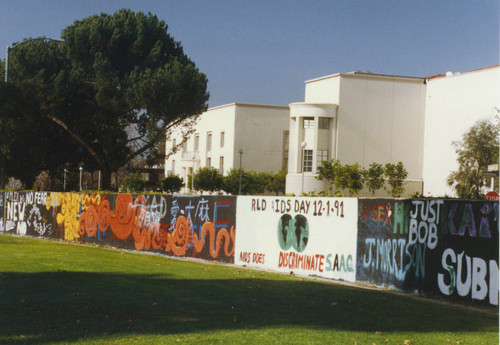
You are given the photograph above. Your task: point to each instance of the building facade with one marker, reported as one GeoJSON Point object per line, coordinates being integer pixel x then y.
{"type": "Point", "coordinates": [259, 132]}
{"type": "Point", "coordinates": [357, 118]}
{"type": "Point", "coordinates": [454, 102]}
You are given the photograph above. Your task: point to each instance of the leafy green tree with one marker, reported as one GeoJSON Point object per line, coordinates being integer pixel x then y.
{"type": "Point", "coordinates": [133, 183]}
{"type": "Point", "coordinates": [251, 182]}
{"type": "Point", "coordinates": [329, 171]}
{"type": "Point", "coordinates": [36, 70]}
{"type": "Point", "coordinates": [277, 182]}
{"type": "Point", "coordinates": [396, 174]}
{"type": "Point", "coordinates": [232, 181]}
{"type": "Point", "coordinates": [172, 183]}
{"type": "Point", "coordinates": [348, 176]}
{"type": "Point", "coordinates": [374, 177]}
{"type": "Point", "coordinates": [113, 75]}
{"type": "Point", "coordinates": [208, 179]}
{"type": "Point", "coordinates": [477, 149]}
{"type": "Point", "coordinates": [351, 178]}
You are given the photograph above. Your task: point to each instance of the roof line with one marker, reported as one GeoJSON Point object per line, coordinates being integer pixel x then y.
{"type": "Point", "coordinates": [460, 73]}
{"type": "Point", "coordinates": [248, 105]}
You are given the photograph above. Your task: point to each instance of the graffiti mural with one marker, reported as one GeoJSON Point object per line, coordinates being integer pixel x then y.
{"type": "Point", "coordinates": [201, 226]}
{"type": "Point", "coordinates": [2, 221]}
{"type": "Point", "coordinates": [440, 248]}
{"type": "Point", "coordinates": [25, 213]}
{"type": "Point", "coordinates": [307, 236]}
{"type": "Point", "coordinates": [466, 264]}
{"type": "Point", "coordinates": [436, 247]}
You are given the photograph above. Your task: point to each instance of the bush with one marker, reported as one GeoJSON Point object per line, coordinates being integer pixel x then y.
{"type": "Point", "coordinates": [133, 183]}
{"type": "Point", "coordinates": [396, 174]}
{"type": "Point", "coordinates": [208, 179]}
{"type": "Point", "coordinates": [374, 177]}
{"type": "Point", "coordinates": [172, 184]}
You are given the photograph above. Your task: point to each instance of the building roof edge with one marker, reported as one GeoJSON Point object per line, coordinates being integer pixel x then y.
{"type": "Point", "coordinates": [237, 104]}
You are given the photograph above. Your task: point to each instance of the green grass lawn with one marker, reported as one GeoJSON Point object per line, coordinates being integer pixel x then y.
{"type": "Point", "coordinates": [59, 293]}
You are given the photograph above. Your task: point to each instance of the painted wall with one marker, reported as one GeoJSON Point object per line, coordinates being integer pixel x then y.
{"type": "Point", "coordinates": [198, 226]}
{"type": "Point", "coordinates": [441, 248]}
{"type": "Point", "coordinates": [307, 236]}
{"type": "Point", "coordinates": [446, 249]}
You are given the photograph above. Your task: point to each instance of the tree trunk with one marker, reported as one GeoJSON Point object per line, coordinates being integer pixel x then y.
{"type": "Point", "coordinates": [106, 178]}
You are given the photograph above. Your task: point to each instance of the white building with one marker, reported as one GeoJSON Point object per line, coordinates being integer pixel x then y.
{"type": "Point", "coordinates": [357, 118]}
{"type": "Point", "coordinates": [260, 131]}
{"type": "Point", "coordinates": [454, 102]}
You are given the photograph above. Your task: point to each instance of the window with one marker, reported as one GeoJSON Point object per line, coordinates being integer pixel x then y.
{"type": "Point", "coordinates": [197, 142]}
{"type": "Point", "coordinates": [221, 165]}
{"type": "Point", "coordinates": [222, 139]}
{"type": "Point", "coordinates": [185, 146]}
{"type": "Point", "coordinates": [323, 123]}
{"type": "Point", "coordinates": [209, 141]}
{"type": "Point", "coordinates": [321, 156]}
{"type": "Point", "coordinates": [286, 145]}
{"type": "Point", "coordinates": [308, 160]}
{"type": "Point", "coordinates": [173, 166]}
{"type": "Point", "coordinates": [308, 122]}
{"type": "Point", "coordinates": [209, 162]}
{"type": "Point", "coordinates": [173, 143]}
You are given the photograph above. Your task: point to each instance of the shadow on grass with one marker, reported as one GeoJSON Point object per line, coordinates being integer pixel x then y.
{"type": "Point", "coordinates": [65, 306]}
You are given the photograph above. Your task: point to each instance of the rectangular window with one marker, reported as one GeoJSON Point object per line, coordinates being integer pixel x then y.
{"type": "Point", "coordinates": [321, 156]}
{"type": "Point", "coordinates": [308, 160]}
{"type": "Point", "coordinates": [209, 141]}
{"type": "Point", "coordinates": [222, 139]}
{"type": "Point", "coordinates": [323, 123]}
{"type": "Point", "coordinates": [173, 143]}
{"type": "Point", "coordinates": [308, 122]}
{"type": "Point", "coordinates": [286, 145]}
{"type": "Point", "coordinates": [185, 146]}
{"type": "Point", "coordinates": [209, 162]}
{"type": "Point", "coordinates": [221, 165]}
{"type": "Point", "coordinates": [197, 142]}
{"type": "Point", "coordinates": [173, 166]}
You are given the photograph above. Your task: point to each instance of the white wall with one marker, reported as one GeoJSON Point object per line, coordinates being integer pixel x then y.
{"type": "Point", "coordinates": [214, 120]}
{"type": "Point", "coordinates": [327, 238]}
{"type": "Point", "coordinates": [382, 120]}
{"type": "Point", "coordinates": [257, 129]}
{"type": "Point", "coordinates": [379, 119]}
{"type": "Point", "coordinates": [453, 105]}
{"type": "Point", "coordinates": [259, 132]}
{"type": "Point", "coordinates": [323, 90]}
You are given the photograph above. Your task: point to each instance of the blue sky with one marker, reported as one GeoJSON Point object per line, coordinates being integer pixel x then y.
{"type": "Point", "coordinates": [262, 51]}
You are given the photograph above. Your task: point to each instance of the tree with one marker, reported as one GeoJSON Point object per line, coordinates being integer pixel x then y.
{"type": "Point", "coordinates": [328, 171]}
{"type": "Point", "coordinates": [477, 149]}
{"type": "Point", "coordinates": [348, 176]}
{"type": "Point", "coordinates": [232, 182]}
{"type": "Point", "coordinates": [29, 142]}
{"type": "Point", "coordinates": [208, 179]}
{"type": "Point", "coordinates": [172, 183]}
{"type": "Point", "coordinates": [111, 73]}
{"type": "Point", "coordinates": [133, 183]}
{"type": "Point", "coordinates": [251, 182]}
{"type": "Point", "coordinates": [277, 182]}
{"type": "Point", "coordinates": [351, 177]}
{"type": "Point", "coordinates": [396, 174]}
{"type": "Point", "coordinates": [374, 177]}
